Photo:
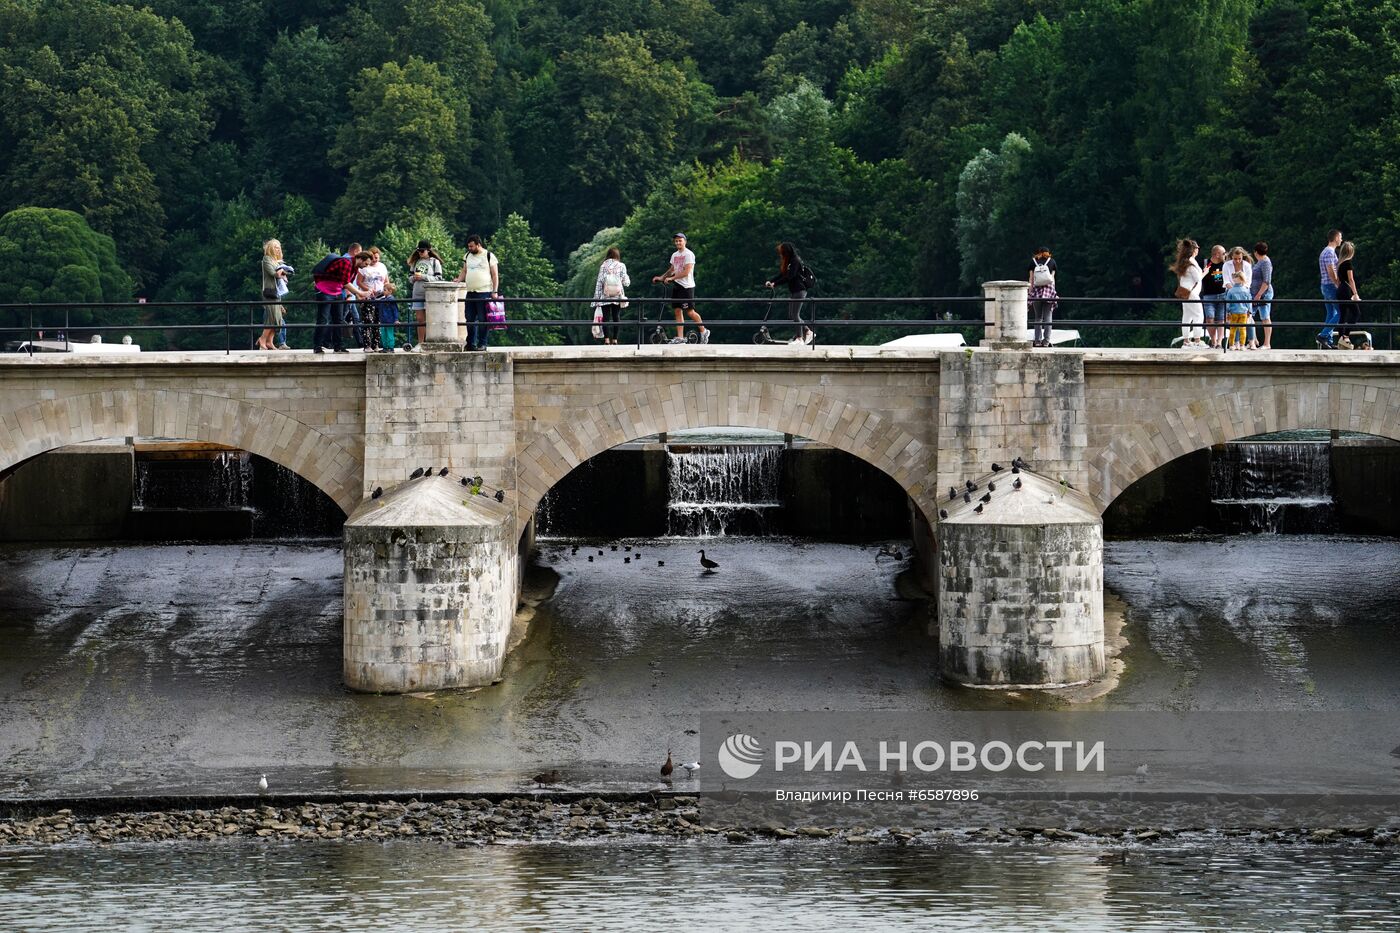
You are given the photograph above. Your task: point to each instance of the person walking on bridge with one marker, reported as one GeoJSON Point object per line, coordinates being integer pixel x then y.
{"type": "Point", "coordinates": [798, 277]}
{"type": "Point", "coordinates": [1348, 298]}
{"type": "Point", "coordinates": [1327, 269]}
{"type": "Point", "coordinates": [610, 293]}
{"type": "Point", "coordinates": [681, 277]}
{"type": "Point", "coordinates": [1042, 294]}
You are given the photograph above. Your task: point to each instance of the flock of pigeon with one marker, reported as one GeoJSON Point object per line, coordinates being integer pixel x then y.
{"type": "Point", "coordinates": [473, 483]}
{"type": "Point", "coordinates": [1017, 465]}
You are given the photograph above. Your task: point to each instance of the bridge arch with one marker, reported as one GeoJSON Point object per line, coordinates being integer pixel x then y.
{"type": "Point", "coordinates": [1135, 451]}
{"type": "Point", "coordinates": [321, 460]}
{"type": "Point", "coordinates": [711, 403]}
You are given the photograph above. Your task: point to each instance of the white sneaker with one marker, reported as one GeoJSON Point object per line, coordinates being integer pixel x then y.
{"type": "Point", "coordinates": [795, 342]}
{"type": "Point", "coordinates": [676, 340]}
{"type": "Point", "coordinates": [704, 335]}
{"type": "Point", "coordinates": [808, 337]}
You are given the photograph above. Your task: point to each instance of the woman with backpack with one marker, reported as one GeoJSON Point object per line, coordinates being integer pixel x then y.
{"type": "Point", "coordinates": [1042, 295]}
{"type": "Point", "coordinates": [799, 278]}
{"type": "Point", "coordinates": [424, 266]}
{"type": "Point", "coordinates": [610, 293]}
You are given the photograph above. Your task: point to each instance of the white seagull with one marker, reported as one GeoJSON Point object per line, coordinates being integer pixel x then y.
{"type": "Point", "coordinates": [262, 784]}
{"type": "Point", "coordinates": [690, 767]}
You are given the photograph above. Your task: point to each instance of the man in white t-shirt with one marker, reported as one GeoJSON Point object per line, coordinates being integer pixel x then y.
{"type": "Point", "coordinates": [482, 276]}
{"type": "Point", "coordinates": [681, 277]}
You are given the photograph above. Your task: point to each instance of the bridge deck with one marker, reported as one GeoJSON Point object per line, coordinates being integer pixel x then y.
{"type": "Point", "coordinates": [736, 353]}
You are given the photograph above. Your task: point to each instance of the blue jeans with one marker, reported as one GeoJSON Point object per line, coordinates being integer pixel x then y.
{"type": "Point", "coordinates": [1214, 307]}
{"type": "Point", "coordinates": [1334, 314]}
{"type": "Point", "coordinates": [330, 310]}
{"type": "Point", "coordinates": [352, 319]}
{"type": "Point", "coordinates": [477, 332]}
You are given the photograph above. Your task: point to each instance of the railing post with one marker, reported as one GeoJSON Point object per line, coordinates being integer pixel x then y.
{"type": "Point", "coordinates": [228, 328]}
{"type": "Point", "coordinates": [641, 323]}
{"type": "Point", "coordinates": [31, 329]}
{"type": "Point", "coordinates": [1006, 315]}
{"type": "Point", "coordinates": [442, 307]}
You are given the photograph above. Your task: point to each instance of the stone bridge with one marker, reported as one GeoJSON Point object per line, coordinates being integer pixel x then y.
{"type": "Point", "coordinates": [432, 571]}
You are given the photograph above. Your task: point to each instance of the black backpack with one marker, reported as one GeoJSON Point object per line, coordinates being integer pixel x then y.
{"type": "Point", "coordinates": [320, 269]}
{"type": "Point", "coordinates": [806, 277]}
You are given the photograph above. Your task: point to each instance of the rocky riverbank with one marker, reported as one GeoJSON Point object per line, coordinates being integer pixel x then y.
{"type": "Point", "coordinates": [514, 819]}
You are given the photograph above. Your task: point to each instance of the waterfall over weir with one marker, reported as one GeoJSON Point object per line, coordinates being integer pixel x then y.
{"type": "Point", "coordinates": [1274, 487]}
{"type": "Point", "coordinates": [719, 491]}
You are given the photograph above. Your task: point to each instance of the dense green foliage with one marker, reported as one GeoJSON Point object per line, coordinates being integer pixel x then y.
{"type": "Point", "coordinates": [906, 147]}
{"type": "Point", "coordinates": [53, 255]}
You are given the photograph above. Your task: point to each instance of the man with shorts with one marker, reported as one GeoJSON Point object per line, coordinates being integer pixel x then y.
{"type": "Point", "coordinates": [681, 277]}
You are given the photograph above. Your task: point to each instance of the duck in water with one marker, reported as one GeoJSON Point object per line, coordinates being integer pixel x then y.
{"type": "Point", "coordinates": [709, 565]}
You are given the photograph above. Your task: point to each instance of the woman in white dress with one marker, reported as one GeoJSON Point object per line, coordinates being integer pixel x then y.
{"type": "Point", "coordinates": [1188, 287]}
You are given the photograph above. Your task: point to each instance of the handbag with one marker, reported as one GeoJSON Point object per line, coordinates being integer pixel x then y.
{"type": "Point", "coordinates": [496, 314]}
{"type": "Point", "coordinates": [1182, 292]}
{"type": "Point", "coordinates": [597, 330]}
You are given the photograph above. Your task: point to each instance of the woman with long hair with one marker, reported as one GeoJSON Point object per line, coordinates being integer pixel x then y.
{"type": "Point", "coordinates": [610, 292]}
{"type": "Point", "coordinates": [794, 273]}
{"type": "Point", "coordinates": [1348, 298]}
{"type": "Point", "coordinates": [274, 315]}
{"type": "Point", "coordinates": [1043, 296]}
{"type": "Point", "coordinates": [424, 266]}
{"type": "Point", "coordinates": [1188, 288]}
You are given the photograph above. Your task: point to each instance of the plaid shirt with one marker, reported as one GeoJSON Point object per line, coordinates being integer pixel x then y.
{"type": "Point", "coordinates": [1327, 259]}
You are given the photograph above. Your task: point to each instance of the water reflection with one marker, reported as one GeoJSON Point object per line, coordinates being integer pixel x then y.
{"type": "Point", "coordinates": [316, 886]}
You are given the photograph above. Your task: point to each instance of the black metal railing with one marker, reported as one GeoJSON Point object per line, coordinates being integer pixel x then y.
{"type": "Point", "coordinates": [228, 325]}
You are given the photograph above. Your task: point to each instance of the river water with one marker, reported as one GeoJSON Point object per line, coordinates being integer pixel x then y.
{"type": "Point", "coordinates": [190, 669]}
{"type": "Point", "coordinates": [804, 886]}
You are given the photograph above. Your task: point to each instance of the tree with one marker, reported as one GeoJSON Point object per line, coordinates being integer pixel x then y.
{"type": "Point", "coordinates": [526, 273]}
{"type": "Point", "coordinates": [604, 127]}
{"type": "Point", "coordinates": [53, 255]}
{"type": "Point", "coordinates": [102, 103]}
{"type": "Point", "coordinates": [301, 105]}
{"type": "Point", "coordinates": [405, 147]}
{"type": "Point", "coordinates": [987, 206]}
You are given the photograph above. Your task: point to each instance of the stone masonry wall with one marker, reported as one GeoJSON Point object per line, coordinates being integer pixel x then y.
{"type": "Point", "coordinates": [1021, 604]}
{"type": "Point", "coordinates": [430, 589]}
{"type": "Point", "coordinates": [454, 410]}
{"type": "Point", "coordinates": [1145, 410]}
{"type": "Point", "coordinates": [305, 414]}
{"type": "Point", "coordinates": [995, 405]}
{"type": "Point", "coordinates": [878, 405]}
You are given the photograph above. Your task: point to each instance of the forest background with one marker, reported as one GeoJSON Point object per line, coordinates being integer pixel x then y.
{"type": "Point", "coordinates": [908, 147]}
